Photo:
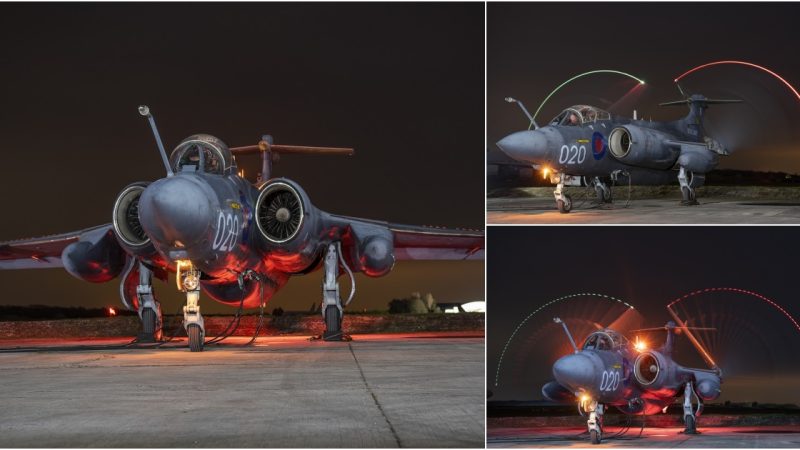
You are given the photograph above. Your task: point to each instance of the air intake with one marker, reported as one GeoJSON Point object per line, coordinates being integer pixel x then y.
{"type": "Point", "coordinates": [279, 212]}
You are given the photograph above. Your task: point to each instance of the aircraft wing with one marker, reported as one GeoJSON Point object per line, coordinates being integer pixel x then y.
{"type": "Point", "coordinates": [426, 243]}
{"type": "Point", "coordinates": [43, 252]}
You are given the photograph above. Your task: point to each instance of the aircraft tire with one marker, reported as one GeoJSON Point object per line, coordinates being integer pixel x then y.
{"type": "Point", "coordinates": [195, 338]}
{"type": "Point", "coordinates": [595, 436]}
{"type": "Point", "coordinates": [333, 324]}
{"type": "Point", "coordinates": [565, 206]}
{"type": "Point", "coordinates": [148, 322]}
{"type": "Point", "coordinates": [603, 195]}
{"type": "Point", "coordinates": [689, 197]}
{"type": "Point", "coordinates": [690, 426]}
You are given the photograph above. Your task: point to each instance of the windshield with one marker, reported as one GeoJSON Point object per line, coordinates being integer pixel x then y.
{"type": "Point", "coordinates": [579, 115]}
{"type": "Point", "coordinates": [202, 153]}
{"type": "Point", "coordinates": [605, 340]}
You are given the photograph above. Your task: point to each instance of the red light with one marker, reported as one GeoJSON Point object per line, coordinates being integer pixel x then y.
{"type": "Point", "coordinates": [111, 312]}
{"type": "Point", "coordinates": [740, 291]}
{"type": "Point", "coordinates": [742, 63]}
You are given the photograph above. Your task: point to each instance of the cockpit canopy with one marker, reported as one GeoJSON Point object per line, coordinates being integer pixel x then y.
{"type": "Point", "coordinates": [579, 115]}
{"type": "Point", "coordinates": [605, 340]}
{"type": "Point", "coordinates": [202, 153]}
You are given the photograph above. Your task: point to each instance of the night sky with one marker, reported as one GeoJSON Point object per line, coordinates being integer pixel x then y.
{"type": "Point", "coordinates": [401, 83]}
{"type": "Point", "coordinates": [532, 48]}
{"type": "Point", "coordinates": [755, 345]}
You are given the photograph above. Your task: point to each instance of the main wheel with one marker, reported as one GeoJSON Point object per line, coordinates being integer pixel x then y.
{"type": "Point", "coordinates": [195, 338]}
{"type": "Point", "coordinates": [564, 206]}
{"type": "Point", "coordinates": [595, 435]}
{"type": "Point", "coordinates": [689, 196]}
{"type": "Point", "coordinates": [690, 426]}
{"type": "Point", "coordinates": [333, 323]}
{"type": "Point", "coordinates": [603, 195]}
{"type": "Point", "coordinates": [149, 321]}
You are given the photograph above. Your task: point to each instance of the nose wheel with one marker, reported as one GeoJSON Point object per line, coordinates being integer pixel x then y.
{"type": "Point", "coordinates": [188, 279]}
{"type": "Point", "coordinates": [595, 421]}
{"type": "Point", "coordinates": [563, 201]}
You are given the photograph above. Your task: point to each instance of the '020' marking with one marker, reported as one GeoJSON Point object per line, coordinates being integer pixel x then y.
{"type": "Point", "coordinates": [572, 155]}
{"type": "Point", "coordinates": [227, 232]}
{"type": "Point", "coordinates": [610, 381]}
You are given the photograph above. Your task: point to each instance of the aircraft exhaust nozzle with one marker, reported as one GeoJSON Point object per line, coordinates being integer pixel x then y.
{"type": "Point", "coordinates": [176, 212]}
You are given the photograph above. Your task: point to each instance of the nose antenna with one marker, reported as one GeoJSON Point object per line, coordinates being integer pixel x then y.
{"type": "Point", "coordinates": [145, 111]}
{"type": "Point", "coordinates": [524, 110]}
{"type": "Point", "coordinates": [566, 330]}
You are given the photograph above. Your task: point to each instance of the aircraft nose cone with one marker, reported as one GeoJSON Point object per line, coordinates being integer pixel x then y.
{"type": "Point", "coordinates": [528, 145]}
{"type": "Point", "coordinates": [574, 371]}
{"type": "Point", "coordinates": [177, 211]}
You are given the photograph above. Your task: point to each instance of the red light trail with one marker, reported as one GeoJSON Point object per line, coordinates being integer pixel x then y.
{"type": "Point", "coordinates": [742, 63]}
{"type": "Point", "coordinates": [740, 291]}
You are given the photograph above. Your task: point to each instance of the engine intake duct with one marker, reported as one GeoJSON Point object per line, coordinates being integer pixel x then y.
{"type": "Point", "coordinates": [279, 212]}
{"type": "Point", "coordinates": [126, 222]}
{"type": "Point", "coordinates": [643, 147]}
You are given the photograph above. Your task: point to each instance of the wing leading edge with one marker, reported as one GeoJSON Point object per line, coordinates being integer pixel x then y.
{"type": "Point", "coordinates": [44, 252]}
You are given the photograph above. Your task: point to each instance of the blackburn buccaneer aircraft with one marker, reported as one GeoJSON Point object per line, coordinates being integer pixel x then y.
{"type": "Point", "coordinates": [587, 145]}
{"type": "Point", "coordinates": [610, 370]}
{"type": "Point", "coordinates": [238, 242]}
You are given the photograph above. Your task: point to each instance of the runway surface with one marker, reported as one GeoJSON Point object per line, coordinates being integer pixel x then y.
{"type": "Point", "coordinates": [409, 390]}
{"type": "Point", "coordinates": [713, 210]}
{"type": "Point", "coordinates": [712, 437]}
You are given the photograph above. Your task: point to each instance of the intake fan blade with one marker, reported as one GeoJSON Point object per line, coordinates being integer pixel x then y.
{"type": "Point", "coordinates": [280, 214]}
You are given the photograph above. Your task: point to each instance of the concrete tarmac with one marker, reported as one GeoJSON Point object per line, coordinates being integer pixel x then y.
{"type": "Point", "coordinates": [711, 437]}
{"type": "Point", "coordinates": [712, 210]}
{"type": "Point", "coordinates": [412, 390]}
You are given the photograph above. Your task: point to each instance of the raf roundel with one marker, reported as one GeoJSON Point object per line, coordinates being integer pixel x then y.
{"type": "Point", "coordinates": [599, 145]}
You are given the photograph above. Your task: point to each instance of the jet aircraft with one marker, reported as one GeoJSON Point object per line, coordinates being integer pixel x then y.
{"type": "Point", "coordinates": [238, 242]}
{"type": "Point", "coordinates": [609, 370]}
{"type": "Point", "coordinates": [585, 145]}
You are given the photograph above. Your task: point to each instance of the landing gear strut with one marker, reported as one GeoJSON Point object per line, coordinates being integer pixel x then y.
{"type": "Point", "coordinates": [563, 201]}
{"type": "Point", "coordinates": [595, 421]}
{"type": "Point", "coordinates": [603, 191]}
{"type": "Point", "coordinates": [688, 184]}
{"type": "Point", "coordinates": [332, 307]}
{"type": "Point", "coordinates": [188, 278]}
{"type": "Point", "coordinates": [149, 308]}
{"type": "Point", "coordinates": [332, 310]}
{"type": "Point", "coordinates": [689, 414]}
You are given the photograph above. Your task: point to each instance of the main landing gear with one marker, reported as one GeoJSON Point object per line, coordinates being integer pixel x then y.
{"type": "Point", "coordinates": [149, 308]}
{"type": "Point", "coordinates": [689, 181]}
{"type": "Point", "coordinates": [689, 414]}
{"type": "Point", "coordinates": [602, 190]}
{"type": "Point", "coordinates": [595, 421]}
{"type": "Point", "coordinates": [563, 201]}
{"type": "Point", "coordinates": [332, 307]}
{"type": "Point", "coordinates": [188, 278]}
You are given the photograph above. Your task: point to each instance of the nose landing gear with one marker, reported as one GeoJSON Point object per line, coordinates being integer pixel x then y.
{"type": "Point", "coordinates": [188, 279]}
{"type": "Point", "coordinates": [563, 201]}
{"type": "Point", "coordinates": [595, 420]}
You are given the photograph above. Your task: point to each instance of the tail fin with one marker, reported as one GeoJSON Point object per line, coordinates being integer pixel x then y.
{"type": "Point", "coordinates": [697, 104]}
